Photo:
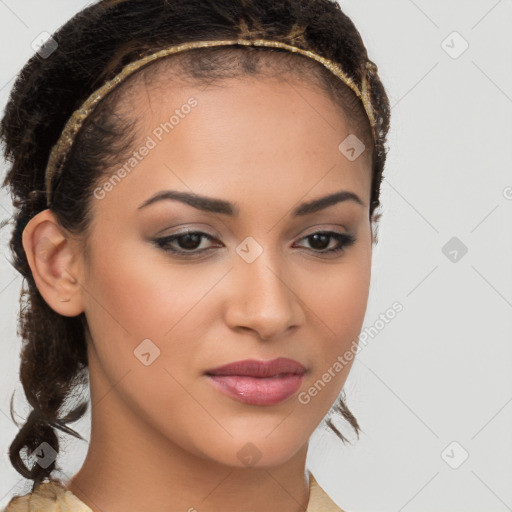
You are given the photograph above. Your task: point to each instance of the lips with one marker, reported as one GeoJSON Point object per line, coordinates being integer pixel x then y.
{"type": "Point", "coordinates": [258, 382]}
{"type": "Point", "coordinates": [262, 369]}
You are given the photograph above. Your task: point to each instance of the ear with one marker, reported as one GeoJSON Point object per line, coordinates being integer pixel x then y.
{"type": "Point", "coordinates": [55, 260]}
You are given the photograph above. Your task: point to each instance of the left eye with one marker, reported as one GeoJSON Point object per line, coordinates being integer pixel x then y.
{"type": "Point", "coordinates": [189, 243]}
{"type": "Point", "coordinates": [322, 239]}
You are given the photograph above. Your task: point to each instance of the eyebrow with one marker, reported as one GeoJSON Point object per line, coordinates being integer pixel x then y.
{"type": "Point", "coordinates": [209, 204]}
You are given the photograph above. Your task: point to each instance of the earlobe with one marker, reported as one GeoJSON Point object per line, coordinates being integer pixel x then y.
{"type": "Point", "coordinates": [55, 263]}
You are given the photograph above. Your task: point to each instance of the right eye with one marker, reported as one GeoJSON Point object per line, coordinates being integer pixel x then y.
{"type": "Point", "coordinates": [188, 243]}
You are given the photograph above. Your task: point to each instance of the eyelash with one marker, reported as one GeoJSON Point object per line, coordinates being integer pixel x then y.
{"type": "Point", "coordinates": [344, 240]}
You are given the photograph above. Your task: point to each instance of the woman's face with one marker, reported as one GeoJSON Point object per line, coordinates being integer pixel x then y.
{"type": "Point", "coordinates": [251, 283]}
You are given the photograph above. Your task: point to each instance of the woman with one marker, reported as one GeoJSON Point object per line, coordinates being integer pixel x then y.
{"type": "Point", "coordinates": [196, 186]}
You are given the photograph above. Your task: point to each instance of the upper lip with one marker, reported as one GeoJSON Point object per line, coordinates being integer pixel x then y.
{"type": "Point", "coordinates": [258, 368]}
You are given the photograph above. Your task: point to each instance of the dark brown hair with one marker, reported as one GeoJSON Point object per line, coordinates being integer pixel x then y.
{"type": "Point", "coordinates": [92, 48]}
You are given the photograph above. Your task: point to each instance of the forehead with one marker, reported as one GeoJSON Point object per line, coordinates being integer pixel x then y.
{"type": "Point", "coordinates": [264, 136]}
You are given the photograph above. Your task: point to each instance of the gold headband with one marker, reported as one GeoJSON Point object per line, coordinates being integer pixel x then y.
{"type": "Point", "coordinates": [61, 148]}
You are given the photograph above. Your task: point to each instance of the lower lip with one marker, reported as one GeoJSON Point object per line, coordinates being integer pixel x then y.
{"type": "Point", "coordinates": [257, 391]}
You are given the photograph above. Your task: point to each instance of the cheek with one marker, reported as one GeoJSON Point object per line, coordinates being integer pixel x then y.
{"type": "Point", "coordinates": [130, 302]}
{"type": "Point", "coordinates": [134, 292]}
{"type": "Point", "coordinates": [337, 305]}
{"type": "Point", "coordinates": [143, 296]}
{"type": "Point", "coordinates": [338, 296]}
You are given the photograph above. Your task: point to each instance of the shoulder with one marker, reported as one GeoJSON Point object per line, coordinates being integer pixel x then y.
{"type": "Point", "coordinates": [50, 496]}
{"type": "Point", "coordinates": [319, 500]}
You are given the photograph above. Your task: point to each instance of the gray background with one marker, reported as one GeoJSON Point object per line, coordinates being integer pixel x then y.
{"type": "Point", "coordinates": [440, 372]}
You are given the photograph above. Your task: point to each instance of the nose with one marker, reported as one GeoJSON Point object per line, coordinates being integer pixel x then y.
{"type": "Point", "coordinates": [262, 298]}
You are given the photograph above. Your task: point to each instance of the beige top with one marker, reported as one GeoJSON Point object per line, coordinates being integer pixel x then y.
{"type": "Point", "coordinates": [52, 496]}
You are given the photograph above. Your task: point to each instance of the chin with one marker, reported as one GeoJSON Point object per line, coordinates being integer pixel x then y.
{"type": "Point", "coordinates": [255, 451]}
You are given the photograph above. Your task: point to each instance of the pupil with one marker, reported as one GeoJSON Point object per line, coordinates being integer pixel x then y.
{"type": "Point", "coordinates": [316, 237]}
{"type": "Point", "coordinates": [187, 238]}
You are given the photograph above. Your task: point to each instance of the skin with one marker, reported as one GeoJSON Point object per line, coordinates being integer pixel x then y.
{"type": "Point", "coordinates": [162, 437]}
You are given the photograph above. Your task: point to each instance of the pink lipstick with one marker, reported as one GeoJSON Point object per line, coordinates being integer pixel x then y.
{"type": "Point", "coordinates": [258, 382]}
